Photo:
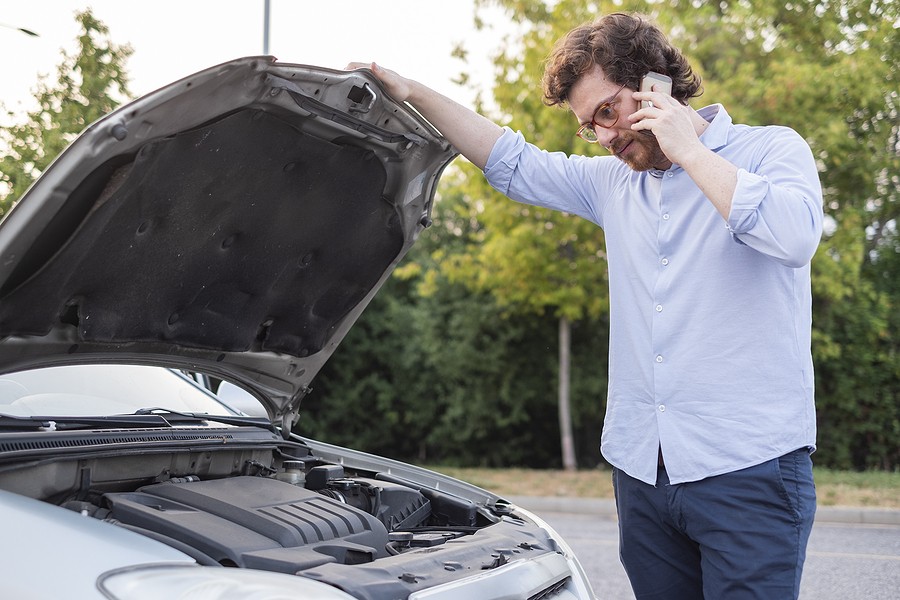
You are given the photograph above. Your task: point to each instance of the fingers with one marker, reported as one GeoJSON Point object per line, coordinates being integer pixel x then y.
{"type": "Point", "coordinates": [359, 65]}
{"type": "Point", "coordinates": [653, 106]}
{"type": "Point", "coordinates": [656, 99]}
{"type": "Point", "coordinates": [380, 73]}
{"type": "Point", "coordinates": [395, 85]}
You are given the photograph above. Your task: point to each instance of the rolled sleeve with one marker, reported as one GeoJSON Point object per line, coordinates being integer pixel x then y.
{"type": "Point", "coordinates": [777, 204]}
{"type": "Point", "coordinates": [553, 180]}
{"type": "Point", "coordinates": [750, 191]}
{"type": "Point", "coordinates": [501, 163]}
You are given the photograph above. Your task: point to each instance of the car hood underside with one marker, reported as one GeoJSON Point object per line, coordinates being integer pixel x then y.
{"type": "Point", "coordinates": [237, 221]}
{"type": "Point", "coordinates": [256, 251]}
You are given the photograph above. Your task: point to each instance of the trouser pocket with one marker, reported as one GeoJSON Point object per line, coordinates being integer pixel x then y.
{"type": "Point", "coordinates": [797, 488]}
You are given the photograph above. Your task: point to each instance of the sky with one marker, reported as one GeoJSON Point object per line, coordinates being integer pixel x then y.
{"type": "Point", "coordinates": [172, 39]}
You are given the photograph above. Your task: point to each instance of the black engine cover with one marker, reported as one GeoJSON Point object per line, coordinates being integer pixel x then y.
{"type": "Point", "coordinates": [254, 522]}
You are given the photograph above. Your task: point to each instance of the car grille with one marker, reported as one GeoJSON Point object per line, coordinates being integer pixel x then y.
{"type": "Point", "coordinates": [550, 591]}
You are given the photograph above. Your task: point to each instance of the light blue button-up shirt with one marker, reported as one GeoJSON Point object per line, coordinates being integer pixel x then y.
{"type": "Point", "coordinates": [709, 320]}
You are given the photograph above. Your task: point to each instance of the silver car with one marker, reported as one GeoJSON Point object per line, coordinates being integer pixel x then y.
{"type": "Point", "coordinates": [224, 233]}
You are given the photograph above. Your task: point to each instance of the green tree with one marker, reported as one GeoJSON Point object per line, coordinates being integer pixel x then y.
{"type": "Point", "coordinates": [90, 83]}
{"type": "Point", "coordinates": [442, 377]}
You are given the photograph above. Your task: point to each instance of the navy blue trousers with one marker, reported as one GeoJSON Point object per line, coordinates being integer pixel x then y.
{"type": "Point", "coordinates": [737, 536]}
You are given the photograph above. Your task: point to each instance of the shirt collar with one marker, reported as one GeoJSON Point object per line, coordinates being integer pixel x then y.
{"type": "Point", "coordinates": [716, 135]}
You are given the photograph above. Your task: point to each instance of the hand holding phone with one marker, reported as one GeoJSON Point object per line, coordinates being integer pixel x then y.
{"type": "Point", "coordinates": [662, 83]}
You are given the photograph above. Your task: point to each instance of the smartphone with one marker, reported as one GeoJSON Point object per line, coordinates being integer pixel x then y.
{"type": "Point", "coordinates": [662, 83]}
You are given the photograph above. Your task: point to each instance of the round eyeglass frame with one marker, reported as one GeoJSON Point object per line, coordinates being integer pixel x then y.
{"type": "Point", "coordinates": [587, 131]}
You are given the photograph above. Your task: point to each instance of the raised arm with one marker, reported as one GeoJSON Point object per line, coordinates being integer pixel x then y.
{"type": "Point", "coordinates": [469, 132]}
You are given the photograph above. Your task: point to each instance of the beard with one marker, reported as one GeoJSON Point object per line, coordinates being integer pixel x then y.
{"type": "Point", "coordinates": [644, 152]}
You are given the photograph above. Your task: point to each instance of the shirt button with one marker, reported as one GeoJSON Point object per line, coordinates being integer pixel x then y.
{"type": "Point", "coordinates": [662, 408]}
{"type": "Point", "coordinates": [670, 174]}
{"type": "Point", "coordinates": [665, 261]}
{"type": "Point", "coordinates": [666, 217]}
{"type": "Point", "coordinates": [659, 308]}
{"type": "Point", "coordinates": [659, 358]}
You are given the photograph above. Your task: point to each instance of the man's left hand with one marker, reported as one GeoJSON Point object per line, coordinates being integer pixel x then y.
{"type": "Point", "coordinates": [671, 122]}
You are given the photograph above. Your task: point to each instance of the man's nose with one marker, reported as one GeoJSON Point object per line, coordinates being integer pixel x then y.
{"type": "Point", "coordinates": [605, 136]}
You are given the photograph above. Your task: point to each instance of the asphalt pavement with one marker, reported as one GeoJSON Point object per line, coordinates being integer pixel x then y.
{"type": "Point", "coordinates": [853, 553]}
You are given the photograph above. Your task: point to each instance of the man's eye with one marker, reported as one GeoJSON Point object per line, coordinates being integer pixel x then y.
{"type": "Point", "coordinates": [603, 113]}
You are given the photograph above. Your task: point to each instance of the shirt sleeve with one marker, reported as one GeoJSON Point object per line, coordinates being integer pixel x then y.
{"type": "Point", "coordinates": [553, 180]}
{"type": "Point", "coordinates": [777, 205]}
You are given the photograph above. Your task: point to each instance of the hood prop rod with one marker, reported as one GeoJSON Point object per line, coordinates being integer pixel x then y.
{"type": "Point", "coordinates": [290, 416]}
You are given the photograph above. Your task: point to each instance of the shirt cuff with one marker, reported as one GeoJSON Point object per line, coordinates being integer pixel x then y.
{"type": "Point", "coordinates": [749, 192]}
{"type": "Point", "coordinates": [501, 163]}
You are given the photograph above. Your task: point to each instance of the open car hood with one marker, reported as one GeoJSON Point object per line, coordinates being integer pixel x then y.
{"type": "Point", "coordinates": [236, 222]}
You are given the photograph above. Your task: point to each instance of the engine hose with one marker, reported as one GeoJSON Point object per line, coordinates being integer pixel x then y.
{"type": "Point", "coordinates": [394, 548]}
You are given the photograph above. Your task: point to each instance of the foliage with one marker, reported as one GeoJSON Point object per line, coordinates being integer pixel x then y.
{"type": "Point", "coordinates": [90, 84]}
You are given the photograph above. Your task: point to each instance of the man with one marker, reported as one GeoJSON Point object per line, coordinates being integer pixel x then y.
{"type": "Point", "coordinates": [710, 227]}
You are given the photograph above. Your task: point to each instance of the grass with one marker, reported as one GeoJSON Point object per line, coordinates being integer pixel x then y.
{"type": "Point", "coordinates": [834, 488]}
{"type": "Point", "coordinates": [849, 488]}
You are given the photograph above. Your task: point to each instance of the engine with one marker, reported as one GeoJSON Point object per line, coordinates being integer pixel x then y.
{"type": "Point", "coordinates": [372, 534]}
{"type": "Point", "coordinates": [291, 523]}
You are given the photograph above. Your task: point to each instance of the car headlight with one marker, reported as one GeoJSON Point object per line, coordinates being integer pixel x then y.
{"type": "Point", "coordinates": [187, 582]}
{"type": "Point", "coordinates": [579, 577]}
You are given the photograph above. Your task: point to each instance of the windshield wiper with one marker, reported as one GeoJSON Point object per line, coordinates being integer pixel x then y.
{"type": "Point", "coordinates": [173, 416]}
{"type": "Point", "coordinates": [61, 423]}
{"type": "Point", "coordinates": [145, 417]}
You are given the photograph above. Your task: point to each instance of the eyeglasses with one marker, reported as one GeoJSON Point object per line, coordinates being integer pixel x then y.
{"type": "Point", "coordinates": [605, 116]}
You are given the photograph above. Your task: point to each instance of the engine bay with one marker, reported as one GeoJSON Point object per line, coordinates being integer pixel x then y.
{"type": "Point", "coordinates": [278, 507]}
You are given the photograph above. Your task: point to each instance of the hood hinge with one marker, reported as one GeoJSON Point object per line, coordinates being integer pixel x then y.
{"type": "Point", "coordinates": [291, 415]}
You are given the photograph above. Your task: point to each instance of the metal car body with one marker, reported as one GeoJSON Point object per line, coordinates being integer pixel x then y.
{"type": "Point", "coordinates": [233, 224]}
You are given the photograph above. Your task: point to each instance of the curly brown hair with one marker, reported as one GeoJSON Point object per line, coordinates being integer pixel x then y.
{"type": "Point", "coordinates": [626, 47]}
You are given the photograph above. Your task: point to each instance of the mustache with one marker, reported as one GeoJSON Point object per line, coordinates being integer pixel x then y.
{"type": "Point", "coordinates": [626, 138]}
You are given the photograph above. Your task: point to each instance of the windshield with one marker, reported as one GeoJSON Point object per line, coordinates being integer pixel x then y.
{"type": "Point", "coordinates": [93, 390]}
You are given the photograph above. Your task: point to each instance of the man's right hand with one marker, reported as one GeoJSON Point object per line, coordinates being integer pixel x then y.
{"type": "Point", "coordinates": [398, 87]}
{"type": "Point", "coordinates": [470, 133]}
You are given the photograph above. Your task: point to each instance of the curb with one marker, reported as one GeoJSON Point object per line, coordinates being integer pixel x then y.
{"type": "Point", "coordinates": [858, 515]}
{"type": "Point", "coordinates": [606, 507]}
